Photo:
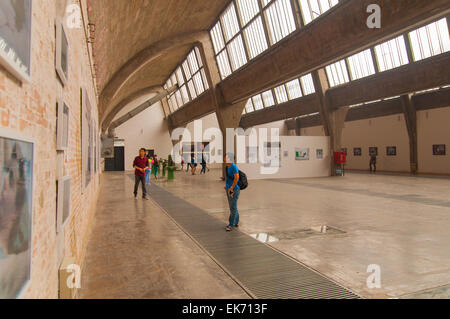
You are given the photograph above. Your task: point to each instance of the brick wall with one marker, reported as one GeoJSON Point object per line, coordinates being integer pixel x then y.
{"type": "Point", "coordinates": [30, 109]}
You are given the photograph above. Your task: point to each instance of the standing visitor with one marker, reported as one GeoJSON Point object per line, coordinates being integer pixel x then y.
{"type": "Point", "coordinates": [233, 190]}
{"type": "Point", "coordinates": [182, 163]}
{"type": "Point", "coordinates": [193, 164]}
{"type": "Point", "coordinates": [373, 162]}
{"type": "Point", "coordinates": [140, 164]}
{"type": "Point", "coordinates": [148, 171]}
{"type": "Point", "coordinates": [155, 166]}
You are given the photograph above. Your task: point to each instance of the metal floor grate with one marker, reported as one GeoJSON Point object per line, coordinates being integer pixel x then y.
{"type": "Point", "coordinates": [259, 269]}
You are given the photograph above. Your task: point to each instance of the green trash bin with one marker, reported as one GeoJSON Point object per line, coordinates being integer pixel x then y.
{"type": "Point", "coordinates": [170, 174]}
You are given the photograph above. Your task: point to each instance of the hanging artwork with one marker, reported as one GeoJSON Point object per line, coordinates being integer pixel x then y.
{"type": "Point", "coordinates": [357, 151]}
{"type": "Point", "coordinates": [62, 126]}
{"type": "Point", "coordinates": [272, 152]}
{"type": "Point", "coordinates": [319, 153]}
{"type": "Point", "coordinates": [391, 151]}
{"type": "Point", "coordinates": [302, 154]}
{"type": "Point", "coordinates": [62, 53]}
{"type": "Point", "coordinates": [15, 37]}
{"type": "Point", "coordinates": [86, 140]}
{"type": "Point", "coordinates": [439, 149]}
{"type": "Point", "coordinates": [16, 193]}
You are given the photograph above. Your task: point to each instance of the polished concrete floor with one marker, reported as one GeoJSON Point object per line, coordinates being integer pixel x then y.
{"type": "Point", "coordinates": [400, 223]}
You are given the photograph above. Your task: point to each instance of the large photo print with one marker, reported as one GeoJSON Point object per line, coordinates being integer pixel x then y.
{"type": "Point", "coordinates": [16, 184]}
{"type": "Point", "coordinates": [15, 37]}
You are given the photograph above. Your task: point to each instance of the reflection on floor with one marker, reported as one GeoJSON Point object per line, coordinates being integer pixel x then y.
{"type": "Point", "coordinates": [399, 223]}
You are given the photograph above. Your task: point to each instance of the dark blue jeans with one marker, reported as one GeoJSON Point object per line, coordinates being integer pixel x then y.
{"type": "Point", "coordinates": [234, 214]}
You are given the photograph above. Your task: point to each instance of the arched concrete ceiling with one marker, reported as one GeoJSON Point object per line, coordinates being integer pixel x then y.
{"type": "Point", "coordinates": [144, 39]}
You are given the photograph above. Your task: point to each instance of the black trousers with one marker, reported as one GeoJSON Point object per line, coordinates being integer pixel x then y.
{"type": "Point", "coordinates": [203, 169]}
{"type": "Point", "coordinates": [139, 179]}
{"type": "Point", "coordinates": [374, 164]}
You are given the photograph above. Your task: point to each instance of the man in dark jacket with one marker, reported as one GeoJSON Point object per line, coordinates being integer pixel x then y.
{"type": "Point", "coordinates": [140, 164]}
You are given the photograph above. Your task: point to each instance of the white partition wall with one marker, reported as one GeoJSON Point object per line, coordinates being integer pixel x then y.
{"type": "Point", "coordinates": [315, 166]}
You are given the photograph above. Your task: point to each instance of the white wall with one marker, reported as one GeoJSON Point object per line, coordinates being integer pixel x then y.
{"type": "Point", "coordinates": [290, 167]}
{"type": "Point", "coordinates": [433, 128]}
{"type": "Point", "coordinates": [148, 129]}
{"type": "Point", "coordinates": [379, 132]}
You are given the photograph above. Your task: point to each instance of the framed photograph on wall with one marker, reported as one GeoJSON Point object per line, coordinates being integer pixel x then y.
{"type": "Point", "coordinates": [302, 154]}
{"type": "Point", "coordinates": [373, 150]}
{"type": "Point", "coordinates": [62, 202]}
{"type": "Point", "coordinates": [391, 151]}
{"type": "Point", "coordinates": [357, 151]}
{"type": "Point", "coordinates": [86, 140]}
{"type": "Point", "coordinates": [319, 153]}
{"type": "Point", "coordinates": [439, 150]}
{"type": "Point", "coordinates": [62, 53]}
{"type": "Point", "coordinates": [62, 126]}
{"type": "Point", "coordinates": [16, 213]}
{"type": "Point", "coordinates": [15, 37]}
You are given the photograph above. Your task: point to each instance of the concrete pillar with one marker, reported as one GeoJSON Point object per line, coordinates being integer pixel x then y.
{"type": "Point", "coordinates": [333, 120]}
{"type": "Point", "coordinates": [228, 115]}
{"type": "Point", "coordinates": [410, 114]}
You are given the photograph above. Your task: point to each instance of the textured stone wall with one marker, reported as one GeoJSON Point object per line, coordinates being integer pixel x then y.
{"type": "Point", "coordinates": [30, 108]}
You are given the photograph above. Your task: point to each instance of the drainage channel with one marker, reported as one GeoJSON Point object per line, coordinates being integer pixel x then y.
{"type": "Point", "coordinates": [262, 271]}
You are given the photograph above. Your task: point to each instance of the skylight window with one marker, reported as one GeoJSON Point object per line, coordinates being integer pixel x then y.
{"type": "Point", "coordinates": [268, 98]}
{"type": "Point", "coordinates": [280, 20]}
{"type": "Point", "coordinates": [230, 22]}
{"type": "Point", "coordinates": [258, 102]}
{"type": "Point", "coordinates": [337, 73]}
{"type": "Point", "coordinates": [311, 9]}
{"type": "Point", "coordinates": [237, 53]}
{"type": "Point", "coordinates": [256, 39]}
{"type": "Point", "coordinates": [294, 90]}
{"type": "Point", "coordinates": [391, 54]}
{"type": "Point", "coordinates": [281, 95]}
{"type": "Point", "coordinates": [361, 65]}
{"type": "Point", "coordinates": [430, 40]}
{"type": "Point", "coordinates": [307, 84]}
{"type": "Point", "coordinates": [247, 10]}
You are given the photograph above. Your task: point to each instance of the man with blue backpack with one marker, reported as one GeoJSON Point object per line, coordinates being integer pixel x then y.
{"type": "Point", "coordinates": [235, 182]}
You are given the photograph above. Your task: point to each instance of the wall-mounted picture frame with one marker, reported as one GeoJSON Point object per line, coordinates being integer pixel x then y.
{"type": "Point", "coordinates": [373, 150]}
{"type": "Point", "coordinates": [62, 202]}
{"type": "Point", "coordinates": [15, 37]}
{"type": "Point", "coordinates": [319, 153]}
{"type": "Point", "coordinates": [391, 150]}
{"type": "Point", "coordinates": [357, 151]}
{"type": "Point", "coordinates": [87, 160]}
{"type": "Point", "coordinates": [302, 154]}
{"type": "Point", "coordinates": [17, 154]}
{"type": "Point", "coordinates": [62, 126]}
{"type": "Point", "coordinates": [439, 150]}
{"type": "Point", "coordinates": [62, 52]}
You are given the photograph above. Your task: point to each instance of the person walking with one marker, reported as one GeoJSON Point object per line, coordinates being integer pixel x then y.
{"type": "Point", "coordinates": [203, 165]}
{"type": "Point", "coordinates": [232, 189]}
{"type": "Point", "coordinates": [155, 166]}
{"type": "Point", "coordinates": [182, 163]}
{"type": "Point", "coordinates": [140, 164]}
{"type": "Point", "coordinates": [373, 162]}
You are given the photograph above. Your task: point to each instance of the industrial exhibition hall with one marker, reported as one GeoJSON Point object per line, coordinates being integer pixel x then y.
{"type": "Point", "coordinates": [219, 150]}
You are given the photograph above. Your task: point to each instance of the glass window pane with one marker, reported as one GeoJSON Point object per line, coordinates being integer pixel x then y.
{"type": "Point", "coordinates": [256, 39]}
{"type": "Point", "coordinates": [280, 20]}
{"type": "Point", "coordinates": [192, 89]}
{"type": "Point", "coordinates": [179, 99]}
{"type": "Point", "coordinates": [247, 10]}
{"type": "Point", "coordinates": [205, 80]}
{"type": "Point", "coordinates": [294, 90]}
{"type": "Point", "coordinates": [257, 102]}
{"type": "Point", "coordinates": [430, 40]}
{"type": "Point", "coordinates": [237, 53]}
{"type": "Point", "coordinates": [337, 73]}
{"type": "Point", "coordinates": [186, 70]}
{"type": "Point", "coordinates": [217, 38]}
{"type": "Point", "coordinates": [361, 65]}
{"type": "Point", "coordinates": [199, 57]}
{"type": "Point", "coordinates": [179, 76]}
{"type": "Point", "coordinates": [184, 94]}
{"type": "Point", "coordinates": [311, 9]}
{"type": "Point", "coordinates": [268, 98]}
{"type": "Point", "coordinates": [249, 106]}
{"type": "Point", "coordinates": [307, 84]}
{"type": "Point", "coordinates": [281, 95]}
{"type": "Point", "coordinates": [199, 83]}
{"type": "Point", "coordinates": [391, 54]}
{"type": "Point", "coordinates": [230, 23]}
{"type": "Point", "coordinates": [193, 62]}
{"type": "Point", "coordinates": [224, 65]}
